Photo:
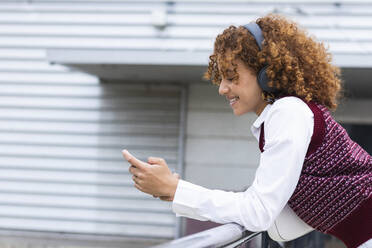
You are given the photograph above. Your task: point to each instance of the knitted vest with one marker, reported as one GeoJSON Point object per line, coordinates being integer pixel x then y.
{"type": "Point", "coordinates": [334, 192]}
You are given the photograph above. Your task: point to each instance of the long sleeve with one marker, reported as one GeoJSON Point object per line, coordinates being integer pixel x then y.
{"type": "Point", "coordinates": [288, 226]}
{"type": "Point", "coordinates": [288, 130]}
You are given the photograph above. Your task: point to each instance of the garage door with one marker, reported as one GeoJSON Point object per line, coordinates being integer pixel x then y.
{"type": "Point", "coordinates": [61, 168]}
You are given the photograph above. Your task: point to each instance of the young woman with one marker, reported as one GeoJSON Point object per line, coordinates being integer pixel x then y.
{"type": "Point", "coordinates": [311, 174]}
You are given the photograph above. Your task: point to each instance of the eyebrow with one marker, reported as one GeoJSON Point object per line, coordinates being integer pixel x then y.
{"type": "Point", "coordinates": [229, 71]}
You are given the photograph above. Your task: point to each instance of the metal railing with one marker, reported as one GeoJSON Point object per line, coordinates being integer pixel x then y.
{"type": "Point", "coordinates": [233, 235]}
{"type": "Point", "coordinates": [228, 236]}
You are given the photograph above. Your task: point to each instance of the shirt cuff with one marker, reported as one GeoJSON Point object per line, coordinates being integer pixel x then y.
{"type": "Point", "coordinates": [186, 199]}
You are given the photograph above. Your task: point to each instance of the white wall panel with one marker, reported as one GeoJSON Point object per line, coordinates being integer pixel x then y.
{"type": "Point", "coordinates": [89, 103]}
{"type": "Point", "coordinates": [221, 152]}
{"type": "Point", "coordinates": [227, 177]}
{"type": "Point", "coordinates": [78, 18]}
{"type": "Point", "coordinates": [88, 203]}
{"type": "Point", "coordinates": [88, 141]}
{"type": "Point", "coordinates": [61, 136]}
{"type": "Point", "coordinates": [30, 66]}
{"type": "Point", "coordinates": [71, 189]}
{"type": "Point", "coordinates": [88, 227]}
{"type": "Point", "coordinates": [87, 128]}
{"type": "Point", "coordinates": [68, 164]}
{"type": "Point", "coordinates": [47, 78]}
{"type": "Point", "coordinates": [83, 91]}
{"type": "Point", "coordinates": [22, 54]}
{"type": "Point", "coordinates": [86, 116]}
{"type": "Point", "coordinates": [197, 32]}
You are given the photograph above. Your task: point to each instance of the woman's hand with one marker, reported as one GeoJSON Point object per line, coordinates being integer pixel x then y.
{"type": "Point", "coordinates": [154, 177]}
{"type": "Point", "coordinates": [168, 198]}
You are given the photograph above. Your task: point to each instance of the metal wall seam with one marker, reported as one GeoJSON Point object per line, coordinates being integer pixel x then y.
{"type": "Point", "coordinates": [181, 146]}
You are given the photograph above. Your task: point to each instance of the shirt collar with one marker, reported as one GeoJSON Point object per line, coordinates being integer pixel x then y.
{"type": "Point", "coordinates": [262, 117]}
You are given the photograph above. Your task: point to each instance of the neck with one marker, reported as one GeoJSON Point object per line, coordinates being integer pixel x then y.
{"type": "Point", "coordinates": [260, 108]}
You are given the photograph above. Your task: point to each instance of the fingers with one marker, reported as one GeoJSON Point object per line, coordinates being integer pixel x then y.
{"type": "Point", "coordinates": [137, 180]}
{"type": "Point", "coordinates": [156, 160]}
{"type": "Point", "coordinates": [138, 187]}
{"type": "Point", "coordinates": [165, 198]}
{"type": "Point", "coordinates": [145, 175]}
{"type": "Point", "coordinates": [135, 171]}
{"type": "Point", "coordinates": [134, 161]}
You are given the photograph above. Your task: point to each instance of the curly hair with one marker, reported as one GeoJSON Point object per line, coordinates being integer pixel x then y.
{"type": "Point", "coordinates": [297, 64]}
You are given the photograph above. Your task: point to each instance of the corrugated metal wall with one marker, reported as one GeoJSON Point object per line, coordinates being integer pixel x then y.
{"type": "Point", "coordinates": [62, 132]}
{"type": "Point", "coordinates": [120, 24]}
{"type": "Point", "coordinates": [61, 167]}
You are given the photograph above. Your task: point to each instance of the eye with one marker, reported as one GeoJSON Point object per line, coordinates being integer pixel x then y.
{"type": "Point", "coordinates": [231, 78]}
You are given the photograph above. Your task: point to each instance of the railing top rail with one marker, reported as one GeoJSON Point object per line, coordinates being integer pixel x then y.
{"type": "Point", "coordinates": [220, 236]}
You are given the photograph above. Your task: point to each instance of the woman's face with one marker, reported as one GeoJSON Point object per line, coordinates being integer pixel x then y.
{"type": "Point", "coordinates": [244, 94]}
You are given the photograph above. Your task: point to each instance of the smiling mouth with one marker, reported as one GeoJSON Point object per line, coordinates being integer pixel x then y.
{"type": "Point", "coordinates": [233, 100]}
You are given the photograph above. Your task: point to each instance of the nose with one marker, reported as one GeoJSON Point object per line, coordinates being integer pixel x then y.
{"type": "Point", "coordinates": [223, 89]}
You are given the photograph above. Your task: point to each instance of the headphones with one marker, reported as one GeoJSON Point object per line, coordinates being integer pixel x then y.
{"type": "Point", "coordinates": [262, 78]}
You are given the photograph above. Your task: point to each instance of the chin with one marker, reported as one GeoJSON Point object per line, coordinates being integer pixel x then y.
{"type": "Point", "coordinates": [239, 112]}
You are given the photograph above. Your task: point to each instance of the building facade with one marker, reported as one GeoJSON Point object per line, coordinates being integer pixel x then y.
{"type": "Point", "coordinates": [82, 80]}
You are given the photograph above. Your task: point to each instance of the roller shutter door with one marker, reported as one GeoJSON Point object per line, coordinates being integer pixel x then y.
{"type": "Point", "coordinates": [61, 168]}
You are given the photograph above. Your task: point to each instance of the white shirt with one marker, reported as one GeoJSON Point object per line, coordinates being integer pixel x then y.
{"type": "Point", "coordinates": [288, 124]}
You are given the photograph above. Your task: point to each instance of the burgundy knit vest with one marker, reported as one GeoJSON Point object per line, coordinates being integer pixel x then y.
{"type": "Point", "coordinates": [334, 192]}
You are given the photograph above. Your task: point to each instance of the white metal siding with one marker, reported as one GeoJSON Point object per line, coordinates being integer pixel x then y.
{"type": "Point", "coordinates": [62, 132]}
{"type": "Point", "coordinates": [221, 152]}
{"type": "Point", "coordinates": [61, 167]}
{"type": "Point", "coordinates": [191, 25]}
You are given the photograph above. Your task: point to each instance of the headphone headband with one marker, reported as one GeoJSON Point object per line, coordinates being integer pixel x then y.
{"type": "Point", "coordinates": [255, 30]}
{"type": "Point", "coordinates": [262, 77]}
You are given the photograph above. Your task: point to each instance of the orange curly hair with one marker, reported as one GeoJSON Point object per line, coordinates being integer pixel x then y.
{"type": "Point", "coordinates": [297, 64]}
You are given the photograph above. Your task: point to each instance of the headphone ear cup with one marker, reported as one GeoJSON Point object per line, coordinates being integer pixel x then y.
{"type": "Point", "coordinates": [263, 80]}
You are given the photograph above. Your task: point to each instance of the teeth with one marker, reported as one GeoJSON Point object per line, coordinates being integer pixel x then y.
{"type": "Point", "coordinates": [234, 100]}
